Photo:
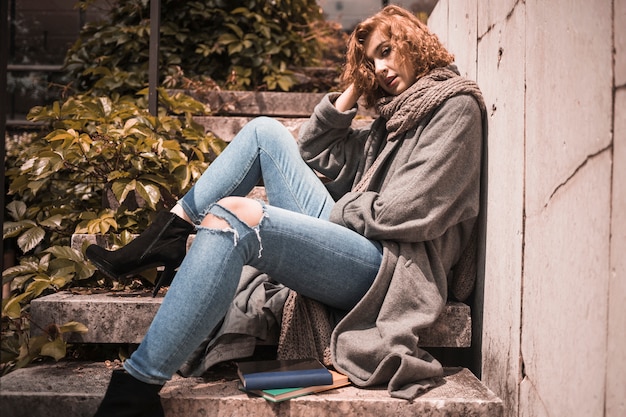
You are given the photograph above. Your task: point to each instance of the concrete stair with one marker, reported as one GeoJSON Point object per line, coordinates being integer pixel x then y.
{"type": "Point", "coordinates": [70, 388]}
{"type": "Point", "coordinates": [231, 110]}
{"type": "Point", "coordinates": [125, 318]}
{"type": "Point", "coordinates": [74, 389]}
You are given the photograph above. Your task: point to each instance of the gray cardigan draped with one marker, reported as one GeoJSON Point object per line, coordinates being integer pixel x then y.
{"type": "Point", "coordinates": [421, 203]}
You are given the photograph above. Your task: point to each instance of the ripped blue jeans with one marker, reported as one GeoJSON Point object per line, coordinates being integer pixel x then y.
{"type": "Point", "coordinates": [294, 243]}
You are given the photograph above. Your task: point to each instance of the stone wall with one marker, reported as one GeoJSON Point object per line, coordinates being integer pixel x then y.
{"type": "Point", "coordinates": [554, 290]}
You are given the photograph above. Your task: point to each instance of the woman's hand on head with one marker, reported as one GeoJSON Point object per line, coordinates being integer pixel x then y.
{"type": "Point", "coordinates": [347, 99]}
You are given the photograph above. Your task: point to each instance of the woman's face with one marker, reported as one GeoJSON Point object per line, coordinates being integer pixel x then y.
{"type": "Point", "coordinates": [391, 74]}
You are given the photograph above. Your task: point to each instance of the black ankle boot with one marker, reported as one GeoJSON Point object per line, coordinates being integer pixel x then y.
{"type": "Point", "coordinates": [163, 243]}
{"type": "Point", "coordinates": [127, 396]}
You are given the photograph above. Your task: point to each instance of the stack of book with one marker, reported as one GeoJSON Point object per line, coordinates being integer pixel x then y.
{"type": "Point", "coordinates": [280, 380]}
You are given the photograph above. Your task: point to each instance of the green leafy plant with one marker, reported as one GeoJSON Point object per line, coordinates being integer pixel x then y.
{"type": "Point", "coordinates": [243, 44]}
{"type": "Point", "coordinates": [106, 165]}
{"type": "Point", "coordinates": [19, 349]}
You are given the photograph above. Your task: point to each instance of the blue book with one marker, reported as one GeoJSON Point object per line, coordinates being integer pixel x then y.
{"type": "Point", "coordinates": [281, 394]}
{"type": "Point", "coordinates": [297, 373]}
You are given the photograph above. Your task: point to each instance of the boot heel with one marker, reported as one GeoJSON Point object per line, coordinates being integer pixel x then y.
{"type": "Point", "coordinates": [163, 243]}
{"type": "Point", "coordinates": [166, 278]}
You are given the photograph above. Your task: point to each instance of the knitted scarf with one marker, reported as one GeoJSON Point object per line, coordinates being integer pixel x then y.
{"type": "Point", "coordinates": [406, 110]}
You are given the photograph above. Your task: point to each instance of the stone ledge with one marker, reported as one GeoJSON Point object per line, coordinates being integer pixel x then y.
{"type": "Point", "coordinates": [125, 318]}
{"type": "Point", "coordinates": [263, 103]}
{"type": "Point", "coordinates": [74, 389]}
{"type": "Point", "coordinates": [226, 127]}
{"type": "Point", "coordinates": [255, 103]}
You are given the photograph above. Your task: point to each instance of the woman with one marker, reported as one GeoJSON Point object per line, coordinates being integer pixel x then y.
{"type": "Point", "coordinates": [377, 241]}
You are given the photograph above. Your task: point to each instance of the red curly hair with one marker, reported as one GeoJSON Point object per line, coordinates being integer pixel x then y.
{"type": "Point", "coordinates": [410, 38]}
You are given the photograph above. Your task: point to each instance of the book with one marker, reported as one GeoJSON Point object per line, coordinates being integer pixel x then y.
{"type": "Point", "coordinates": [296, 373]}
{"type": "Point", "coordinates": [281, 394]}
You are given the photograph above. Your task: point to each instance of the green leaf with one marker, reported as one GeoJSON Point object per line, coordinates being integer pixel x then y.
{"type": "Point", "coordinates": [101, 225]}
{"type": "Point", "coordinates": [30, 238]}
{"type": "Point", "coordinates": [156, 179]}
{"type": "Point", "coordinates": [240, 10]}
{"type": "Point", "coordinates": [36, 186]}
{"type": "Point", "coordinates": [285, 83]}
{"type": "Point", "coordinates": [234, 48]}
{"type": "Point", "coordinates": [227, 39]}
{"type": "Point", "coordinates": [38, 114]}
{"type": "Point", "coordinates": [84, 270]}
{"type": "Point", "coordinates": [115, 175]}
{"type": "Point", "coordinates": [183, 175]}
{"type": "Point", "coordinates": [58, 135]}
{"type": "Point", "coordinates": [31, 350]}
{"type": "Point", "coordinates": [236, 29]}
{"type": "Point", "coordinates": [53, 221]}
{"type": "Point", "coordinates": [65, 252]}
{"type": "Point", "coordinates": [121, 188]}
{"type": "Point", "coordinates": [12, 308]}
{"type": "Point", "coordinates": [16, 209]}
{"type": "Point", "coordinates": [13, 229]}
{"type": "Point", "coordinates": [38, 286]}
{"type": "Point", "coordinates": [23, 268]}
{"type": "Point", "coordinates": [150, 193]}
{"type": "Point", "coordinates": [106, 105]}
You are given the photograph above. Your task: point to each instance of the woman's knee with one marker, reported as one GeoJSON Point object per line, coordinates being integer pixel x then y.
{"type": "Point", "coordinates": [265, 122]}
{"type": "Point", "coordinates": [247, 210]}
{"type": "Point", "coordinates": [269, 130]}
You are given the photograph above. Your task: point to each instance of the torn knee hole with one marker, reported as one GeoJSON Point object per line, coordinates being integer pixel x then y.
{"type": "Point", "coordinates": [245, 209]}
{"type": "Point", "coordinates": [213, 222]}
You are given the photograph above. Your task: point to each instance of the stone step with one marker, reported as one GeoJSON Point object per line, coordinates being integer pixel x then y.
{"type": "Point", "coordinates": [125, 318]}
{"type": "Point", "coordinates": [74, 389]}
{"type": "Point", "coordinates": [231, 110]}
{"type": "Point", "coordinates": [258, 103]}
{"type": "Point", "coordinates": [226, 127]}
{"type": "Point", "coordinates": [263, 103]}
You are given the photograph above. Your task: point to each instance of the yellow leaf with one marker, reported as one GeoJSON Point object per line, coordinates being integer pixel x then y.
{"type": "Point", "coordinates": [38, 286]}
{"type": "Point", "coordinates": [55, 349]}
{"type": "Point", "coordinates": [12, 309]}
{"type": "Point", "coordinates": [73, 326]}
{"type": "Point", "coordinates": [29, 351]}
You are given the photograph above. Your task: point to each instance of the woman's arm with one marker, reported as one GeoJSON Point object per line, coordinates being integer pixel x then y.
{"type": "Point", "coordinates": [347, 99]}
{"type": "Point", "coordinates": [330, 145]}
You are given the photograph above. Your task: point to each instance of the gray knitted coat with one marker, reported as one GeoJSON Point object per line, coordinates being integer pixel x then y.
{"type": "Point", "coordinates": [421, 203]}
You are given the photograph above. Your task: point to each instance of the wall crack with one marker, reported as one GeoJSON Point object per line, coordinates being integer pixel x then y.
{"type": "Point", "coordinates": [536, 397]}
{"type": "Point", "coordinates": [508, 16]}
{"type": "Point", "coordinates": [578, 168]}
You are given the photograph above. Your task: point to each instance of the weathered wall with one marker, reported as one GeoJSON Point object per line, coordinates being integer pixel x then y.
{"type": "Point", "coordinates": [554, 292]}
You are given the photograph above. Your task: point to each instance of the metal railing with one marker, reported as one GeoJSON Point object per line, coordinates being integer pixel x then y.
{"type": "Point", "coordinates": [153, 52]}
{"type": "Point", "coordinates": [4, 54]}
